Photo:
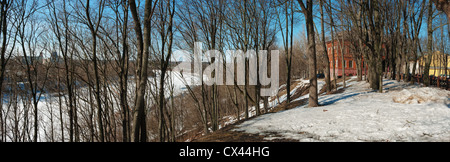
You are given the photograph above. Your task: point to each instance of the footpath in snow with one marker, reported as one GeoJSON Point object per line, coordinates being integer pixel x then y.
{"type": "Point", "coordinates": [401, 113]}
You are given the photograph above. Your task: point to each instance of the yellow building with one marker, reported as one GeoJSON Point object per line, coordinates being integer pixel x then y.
{"type": "Point", "coordinates": [437, 66]}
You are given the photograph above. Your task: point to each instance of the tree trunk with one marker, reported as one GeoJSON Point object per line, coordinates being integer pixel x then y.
{"type": "Point", "coordinates": [332, 47]}
{"type": "Point", "coordinates": [165, 59]}
{"type": "Point", "coordinates": [426, 75]}
{"type": "Point", "coordinates": [97, 89]}
{"type": "Point", "coordinates": [344, 64]}
{"type": "Point", "coordinates": [256, 38]}
{"type": "Point", "coordinates": [124, 77]}
{"type": "Point", "coordinates": [325, 51]}
{"type": "Point", "coordinates": [288, 56]}
{"type": "Point", "coordinates": [139, 123]}
{"type": "Point", "coordinates": [3, 61]}
{"type": "Point", "coordinates": [307, 11]}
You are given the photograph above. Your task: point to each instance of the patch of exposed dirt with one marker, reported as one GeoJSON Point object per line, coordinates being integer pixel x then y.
{"type": "Point", "coordinates": [339, 80]}
{"type": "Point", "coordinates": [285, 106]}
{"type": "Point", "coordinates": [283, 91]}
{"type": "Point", "coordinates": [227, 134]}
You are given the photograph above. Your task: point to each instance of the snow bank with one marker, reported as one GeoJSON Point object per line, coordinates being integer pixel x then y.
{"type": "Point", "coordinates": [422, 95]}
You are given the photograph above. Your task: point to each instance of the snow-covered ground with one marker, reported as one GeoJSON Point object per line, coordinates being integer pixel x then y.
{"type": "Point", "coordinates": [401, 113]}
{"type": "Point", "coordinates": [175, 80]}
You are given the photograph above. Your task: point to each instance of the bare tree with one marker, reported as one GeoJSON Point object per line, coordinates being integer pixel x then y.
{"type": "Point", "coordinates": [29, 32]}
{"type": "Point", "coordinates": [325, 51]}
{"type": "Point", "coordinates": [93, 23]}
{"type": "Point", "coordinates": [60, 28]}
{"type": "Point", "coordinates": [5, 10]}
{"type": "Point", "coordinates": [444, 6]}
{"type": "Point", "coordinates": [139, 131]}
{"type": "Point", "coordinates": [332, 26]}
{"type": "Point", "coordinates": [189, 31]}
{"type": "Point", "coordinates": [210, 17]}
{"type": "Point", "coordinates": [373, 34]}
{"type": "Point", "coordinates": [287, 41]}
{"type": "Point", "coordinates": [307, 11]}
{"type": "Point", "coordinates": [426, 79]}
{"type": "Point", "coordinates": [416, 23]}
{"type": "Point", "coordinates": [268, 32]}
{"type": "Point", "coordinates": [166, 22]}
{"type": "Point", "coordinates": [124, 75]}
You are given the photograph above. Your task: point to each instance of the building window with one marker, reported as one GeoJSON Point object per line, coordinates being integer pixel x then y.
{"type": "Point", "coordinates": [345, 65]}
{"type": "Point", "coordinates": [350, 64]}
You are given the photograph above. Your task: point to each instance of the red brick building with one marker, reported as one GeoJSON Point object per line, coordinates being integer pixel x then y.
{"type": "Point", "coordinates": [349, 62]}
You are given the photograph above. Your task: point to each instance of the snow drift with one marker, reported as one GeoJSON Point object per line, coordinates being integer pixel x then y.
{"type": "Point", "coordinates": [422, 95]}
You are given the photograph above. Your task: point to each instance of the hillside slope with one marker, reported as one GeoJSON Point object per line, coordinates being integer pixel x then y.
{"type": "Point", "coordinates": [402, 113]}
